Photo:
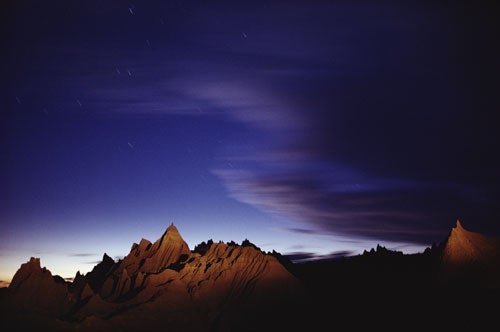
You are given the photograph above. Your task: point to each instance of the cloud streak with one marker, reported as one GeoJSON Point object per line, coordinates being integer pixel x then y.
{"type": "Point", "coordinates": [366, 211]}
{"type": "Point", "coordinates": [300, 257]}
{"type": "Point", "coordinates": [83, 254]}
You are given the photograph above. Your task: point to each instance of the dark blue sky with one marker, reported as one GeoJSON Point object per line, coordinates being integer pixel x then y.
{"type": "Point", "coordinates": [312, 128]}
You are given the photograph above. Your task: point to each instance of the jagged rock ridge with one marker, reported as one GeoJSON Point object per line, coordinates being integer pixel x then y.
{"type": "Point", "coordinates": [162, 283]}
{"type": "Point", "coordinates": [231, 287]}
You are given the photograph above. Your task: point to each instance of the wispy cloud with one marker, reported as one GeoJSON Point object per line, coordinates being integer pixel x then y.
{"type": "Point", "coordinates": [82, 254]}
{"type": "Point", "coordinates": [92, 262]}
{"type": "Point", "coordinates": [392, 212]}
{"type": "Point", "coordinates": [244, 100]}
{"type": "Point", "coordinates": [302, 230]}
{"type": "Point", "coordinates": [300, 257]}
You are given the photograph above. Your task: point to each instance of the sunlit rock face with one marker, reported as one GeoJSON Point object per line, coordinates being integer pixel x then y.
{"type": "Point", "coordinates": [470, 259]}
{"type": "Point", "coordinates": [166, 284]}
{"type": "Point", "coordinates": [151, 258]}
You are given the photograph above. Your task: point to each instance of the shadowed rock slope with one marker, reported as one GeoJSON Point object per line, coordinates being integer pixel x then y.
{"type": "Point", "coordinates": [452, 285]}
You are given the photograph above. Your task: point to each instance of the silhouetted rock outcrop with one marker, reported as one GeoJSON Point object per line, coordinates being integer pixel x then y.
{"type": "Point", "coordinates": [203, 247]}
{"type": "Point", "coordinates": [97, 276]}
{"type": "Point", "coordinates": [33, 288]}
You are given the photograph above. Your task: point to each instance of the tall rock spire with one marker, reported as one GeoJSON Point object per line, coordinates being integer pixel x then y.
{"type": "Point", "coordinates": [165, 251]}
{"type": "Point", "coordinates": [151, 258]}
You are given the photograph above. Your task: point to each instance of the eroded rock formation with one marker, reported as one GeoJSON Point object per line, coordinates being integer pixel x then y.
{"type": "Point", "coordinates": [165, 284]}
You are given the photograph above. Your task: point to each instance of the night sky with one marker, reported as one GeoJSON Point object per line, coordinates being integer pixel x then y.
{"type": "Point", "coordinates": [313, 128]}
